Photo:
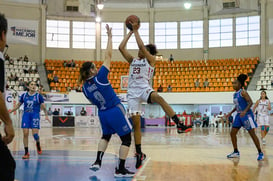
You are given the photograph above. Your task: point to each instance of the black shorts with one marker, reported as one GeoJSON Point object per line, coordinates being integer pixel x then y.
{"type": "Point", "coordinates": [7, 163]}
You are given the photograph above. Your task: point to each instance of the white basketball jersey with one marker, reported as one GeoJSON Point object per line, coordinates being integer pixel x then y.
{"type": "Point", "coordinates": [140, 73]}
{"type": "Point", "coordinates": [263, 107]}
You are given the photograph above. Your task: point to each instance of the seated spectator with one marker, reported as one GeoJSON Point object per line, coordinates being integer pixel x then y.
{"type": "Point", "coordinates": [49, 112]}
{"type": "Point", "coordinates": [184, 113]}
{"type": "Point", "coordinates": [169, 89]}
{"type": "Point", "coordinates": [68, 89]}
{"type": "Point", "coordinates": [55, 79]}
{"type": "Point", "coordinates": [262, 88]}
{"type": "Point", "coordinates": [197, 119]}
{"type": "Point", "coordinates": [68, 64]}
{"type": "Point", "coordinates": [72, 63]}
{"type": "Point", "coordinates": [206, 83]}
{"type": "Point", "coordinates": [26, 69]}
{"type": "Point", "coordinates": [196, 83]}
{"type": "Point", "coordinates": [65, 63]}
{"type": "Point", "coordinates": [69, 113]}
{"type": "Point", "coordinates": [21, 82]}
{"type": "Point", "coordinates": [55, 112]}
{"type": "Point", "coordinates": [11, 61]}
{"type": "Point", "coordinates": [38, 81]}
{"type": "Point", "coordinates": [59, 110]}
{"type": "Point", "coordinates": [54, 89]}
{"type": "Point", "coordinates": [205, 121]}
{"type": "Point", "coordinates": [83, 112]}
{"type": "Point", "coordinates": [16, 77]}
{"type": "Point", "coordinates": [160, 89]}
{"type": "Point", "coordinates": [7, 57]}
{"type": "Point", "coordinates": [26, 58]}
{"type": "Point", "coordinates": [20, 59]}
{"type": "Point", "coordinates": [171, 58]}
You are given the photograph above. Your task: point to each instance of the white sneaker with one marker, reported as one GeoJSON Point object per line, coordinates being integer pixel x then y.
{"type": "Point", "coordinates": [95, 167]}
{"type": "Point", "coordinates": [234, 155]}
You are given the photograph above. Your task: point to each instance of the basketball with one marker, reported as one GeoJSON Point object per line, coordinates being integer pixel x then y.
{"type": "Point", "coordinates": [131, 18]}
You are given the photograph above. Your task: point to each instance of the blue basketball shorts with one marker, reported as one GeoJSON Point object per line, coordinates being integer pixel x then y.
{"type": "Point", "coordinates": [31, 120]}
{"type": "Point", "coordinates": [247, 121]}
{"type": "Point", "coordinates": [114, 120]}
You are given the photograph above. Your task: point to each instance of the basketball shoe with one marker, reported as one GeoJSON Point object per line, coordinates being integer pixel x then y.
{"type": "Point", "coordinates": [123, 173]}
{"type": "Point", "coordinates": [234, 155]}
{"type": "Point", "coordinates": [139, 158]}
{"type": "Point", "coordinates": [26, 156]}
{"type": "Point", "coordinates": [95, 166]}
{"type": "Point", "coordinates": [260, 156]}
{"type": "Point", "coordinates": [39, 149]}
{"type": "Point", "coordinates": [181, 128]}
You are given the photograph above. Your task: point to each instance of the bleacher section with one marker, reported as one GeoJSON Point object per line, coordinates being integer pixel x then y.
{"type": "Point", "coordinates": [266, 75]}
{"type": "Point", "coordinates": [18, 69]}
{"type": "Point", "coordinates": [181, 75]}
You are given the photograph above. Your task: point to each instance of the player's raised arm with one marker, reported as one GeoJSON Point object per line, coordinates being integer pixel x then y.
{"type": "Point", "coordinates": [123, 50]}
{"type": "Point", "coordinates": [141, 46]}
{"type": "Point", "coordinates": [108, 53]}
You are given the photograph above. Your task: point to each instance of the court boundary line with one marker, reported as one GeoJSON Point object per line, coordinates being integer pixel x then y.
{"type": "Point", "coordinates": [139, 172]}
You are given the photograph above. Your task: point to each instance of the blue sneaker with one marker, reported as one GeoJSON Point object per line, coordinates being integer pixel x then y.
{"type": "Point", "coordinates": [234, 155]}
{"type": "Point", "coordinates": [260, 156]}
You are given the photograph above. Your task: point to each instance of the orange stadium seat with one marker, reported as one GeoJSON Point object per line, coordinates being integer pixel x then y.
{"type": "Point", "coordinates": [181, 75]}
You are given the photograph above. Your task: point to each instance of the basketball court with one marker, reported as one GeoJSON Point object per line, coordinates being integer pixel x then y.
{"type": "Point", "coordinates": [199, 155]}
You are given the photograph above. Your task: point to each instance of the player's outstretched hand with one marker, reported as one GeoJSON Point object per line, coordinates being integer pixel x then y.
{"type": "Point", "coordinates": [109, 30]}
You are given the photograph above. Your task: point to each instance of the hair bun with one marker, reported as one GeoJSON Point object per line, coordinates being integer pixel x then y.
{"type": "Point", "coordinates": [242, 77]}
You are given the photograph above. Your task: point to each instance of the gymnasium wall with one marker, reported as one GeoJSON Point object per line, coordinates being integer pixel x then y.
{"type": "Point", "coordinates": [24, 12]}
{"type": "Point", "coordinates": [33, 12]}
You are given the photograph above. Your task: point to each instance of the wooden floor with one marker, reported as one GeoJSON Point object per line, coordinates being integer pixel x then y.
{"type": "Point", "coordinates": [199, 155]}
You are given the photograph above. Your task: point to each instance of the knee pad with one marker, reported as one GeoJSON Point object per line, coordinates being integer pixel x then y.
{"type": "Point", "coordinates": [106, 137]}
{"type": "Point", "coordinates": [36, 137]}
{"type": "Point", "coordinates": [267, 128]}
{"type": "Point", "coordinates": [262, 128]}
{"type": "Point", "coordinates": [126, 140]}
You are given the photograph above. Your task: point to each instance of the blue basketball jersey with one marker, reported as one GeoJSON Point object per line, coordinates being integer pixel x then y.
{"type": "Point", "coordinates": [32, 103]}
{"type": "Point", "coordinates": [99, 91]}
{"type": "Point", "coordinates": [239, 101]}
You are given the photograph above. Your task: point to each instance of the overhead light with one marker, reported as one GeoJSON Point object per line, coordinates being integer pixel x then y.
{"type": "Point", "coordinates": [100, 6]}
{"type": "Point", "coordinates": [98, 19]}
{"type": "Point", "coordinates": [187, 5]}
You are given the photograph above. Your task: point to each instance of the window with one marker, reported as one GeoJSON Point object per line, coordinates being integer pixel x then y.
{"type": "Point", "coordinates": [248, 30]}
{"type": "Point", "coordinates": [57, 33]}
{"type": "Point", "coordinates": [191, 34]}
{"type": "Point", "coordinates": [144, 34]}
{"type": "Point", "coordinates": [84, 35]}
{"type": "Point", "coordinates": [166, 35]}
{"type": "Point", "coordinates": [117, 37]}
{"type": "Point", "coordinates": [220, 33]}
